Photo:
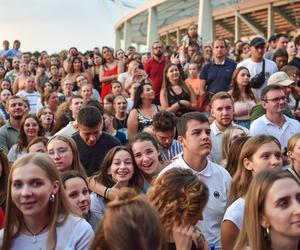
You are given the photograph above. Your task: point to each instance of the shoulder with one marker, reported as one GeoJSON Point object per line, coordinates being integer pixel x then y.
{"type": "Point", "coordinates": [109, 138]}
{"type": "Point", "coordinates": [219, 170]}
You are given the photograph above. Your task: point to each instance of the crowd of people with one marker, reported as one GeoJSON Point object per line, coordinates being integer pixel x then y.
{"type": "Point", "coordinates": [190, 147]}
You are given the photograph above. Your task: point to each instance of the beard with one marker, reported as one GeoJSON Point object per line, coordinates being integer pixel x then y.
{"type": "Point", "coordinates": [18, 117]}
{"type": "Point", "coordinates": [159, 54]}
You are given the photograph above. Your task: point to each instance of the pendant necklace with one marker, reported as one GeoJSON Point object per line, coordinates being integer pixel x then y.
{"type": "Point", "coordinates": [34, 239]}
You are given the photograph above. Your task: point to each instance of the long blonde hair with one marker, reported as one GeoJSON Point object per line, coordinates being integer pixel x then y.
{"type": "Point", "coordinates": [59, 209]}
{"type": "Point", "coordinates": [252, 234]}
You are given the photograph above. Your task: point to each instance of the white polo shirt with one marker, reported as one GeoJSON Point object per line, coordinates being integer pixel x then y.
{"type": "Point", "coordinates": [263, 125]}
{"type": "Point", "coordinates": [217, 179]}
{"type": "Point", "coordinates": [216, 141]}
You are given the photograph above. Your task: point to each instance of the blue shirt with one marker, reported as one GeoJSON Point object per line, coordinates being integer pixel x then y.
{"type": "Point", "coordinates": [218, 76]}
{"type": "Point", "coordinates": [13, 52]}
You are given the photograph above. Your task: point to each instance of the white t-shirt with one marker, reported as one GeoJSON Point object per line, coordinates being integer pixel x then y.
{"type": "Point", "coordinates": [255, 68]}
{"type": "Point", "coordinates": [263, 126]}
{"type": "Point", "coordinates": [218, 180]}
{"type": "Point", "coordinates": [68, 130]}
{"type": "Point", "coordinates": [235, 212]}
{"type": "Point", "coordinates": [34, 100]}
{"type": "Point", "coordinates": [75, 234]}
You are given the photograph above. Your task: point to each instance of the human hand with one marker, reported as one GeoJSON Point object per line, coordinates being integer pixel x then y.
{"type": "Point", "coordinates": [185, 103]}
{"type": "Point", "coordinates": [183, 236]}
{"type": "Point", "coordinates": [175, 59]}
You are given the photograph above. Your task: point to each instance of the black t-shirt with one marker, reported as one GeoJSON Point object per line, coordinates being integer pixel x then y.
{"type": "Point", "coordinates": [91, 157]}
{"type": "Point", "coordinates": [295, 62]}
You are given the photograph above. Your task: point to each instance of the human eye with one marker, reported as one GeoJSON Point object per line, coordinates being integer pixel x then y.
{"type": "Point", "coordinates": [278, 155]}
{"type": "Point", "coordinates": [208, 131]}
{"type": "Point", "coordinates": [117, 162]}
{"type": "Point", "coordinates": [265, 156]}
{"type": "Point", "coordinates": [62, 150]}
{"type": "Point", "coordinates": [51, 153]}
{"type": "Point", "coordinates": [128, 162]}
{"type": "Point", "coordinates": [17, 184]}
{"type": "Point", "coordinates": [85, 191]}
{"type": "Point", "coordinates": [37, 183]}
{"type": "Point", "coordinates": [298, 198]}
{"type": "Point", "coordinates": [149, 151]}
{"type": "Point", "coordinates": [137, 155]}
{"type": "Point", "coordinates": [73, 195]}
{"type": "Point", "coordinates": [283, 203]}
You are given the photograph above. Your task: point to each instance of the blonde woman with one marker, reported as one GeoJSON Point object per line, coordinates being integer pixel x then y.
{"type": "Point", "coordinates": [38, 215]}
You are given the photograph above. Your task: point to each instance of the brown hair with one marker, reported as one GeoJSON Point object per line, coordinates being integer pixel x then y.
{"type": "Point", "coordinates": [179, 196]}
{"type": "Point", "coordinates": [3, 177]}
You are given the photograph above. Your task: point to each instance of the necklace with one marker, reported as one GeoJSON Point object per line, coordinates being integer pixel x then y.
{"type": "Point", "coordinates": [34, 240]}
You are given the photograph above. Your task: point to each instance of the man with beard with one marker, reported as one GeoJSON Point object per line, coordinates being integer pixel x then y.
{"type": "Point", "coordinates": [164, 130]}
{"type": "Point", "coordinates": [222, 111]}
{"type": "Point", "coordinates": [12, 75]}
{"type": "Point", "coordinates": [255, 63]}
{"type": "Point", "coordinates": [216, 75]}
{"type": "Point", "coordinates": [9, 133]}
{"type": "Point", "coordinates": [194, 137]}
{"type": "Point", "coordinates": [274, 122]}
{"type": "Point", "coordinates": [154, 67]}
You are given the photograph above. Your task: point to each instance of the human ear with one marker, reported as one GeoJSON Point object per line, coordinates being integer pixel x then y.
{"type": "Point", "coordinates": [264, 222]}
{"type": "Point", "coordinates": [108, 171]}
{"type": "Point", "coordinates": [264, 104]}
{"type": "Point", "coordinates": [247, 164]}
{"type": "Point", "coordinates": [55, 187]}
{"type": "Point", "coordinates": [181, 140]}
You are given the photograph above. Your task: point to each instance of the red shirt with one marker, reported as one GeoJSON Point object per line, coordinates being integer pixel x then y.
{"type": "Point", "coordinates": [155, 71]}
{"type": "Point", "coordinates": [1, 218]}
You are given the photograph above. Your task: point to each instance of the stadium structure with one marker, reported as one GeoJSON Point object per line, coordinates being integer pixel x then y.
{"type": "Point", "coordinates": [167, 20]}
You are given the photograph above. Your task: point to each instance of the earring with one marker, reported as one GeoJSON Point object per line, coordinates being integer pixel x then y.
{"type": "Point", "coordinates": [268, 230]}
{"type": "Point", "coordinates": [52, 198]}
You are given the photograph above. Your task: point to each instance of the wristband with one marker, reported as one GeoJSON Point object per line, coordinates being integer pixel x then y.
{"type": "Point", "coordinates": [105, 193]}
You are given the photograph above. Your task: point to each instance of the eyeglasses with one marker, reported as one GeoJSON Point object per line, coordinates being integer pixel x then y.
{"type": "Point", "coordinates": [158, 47]}
{"type": "Point", "coordinates": [276, 99]}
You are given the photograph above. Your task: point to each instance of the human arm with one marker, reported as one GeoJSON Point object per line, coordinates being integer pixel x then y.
{"type": "Point", "coordinates": [193, 99]}
{"type": "Point", "coordinates": [16, 86]}
{"type": "Point", "coordinates": [132, 123]}
{"type": "Point", "coordinates": [165, 104]}
{"type": "Point", "coordinates": [202, 87]}
{"type": "Point", "coordinates": [229, 234]}
{"type": "Point", "coordinates": [103, 78]}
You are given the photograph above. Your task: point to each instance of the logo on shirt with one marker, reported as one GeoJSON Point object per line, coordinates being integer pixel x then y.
{"type": "Point", "coordinates": [216, 194]}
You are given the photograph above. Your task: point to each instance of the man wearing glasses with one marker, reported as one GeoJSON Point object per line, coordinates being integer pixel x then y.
{"type": "Point", "coordinates": [274, 122]}
{"type": "Point", "coordinates": [255, 63]}
{"type": "Point", "coordinates": [154, 67]}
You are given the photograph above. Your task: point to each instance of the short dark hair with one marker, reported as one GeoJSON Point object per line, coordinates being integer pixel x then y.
{"type": "Point", "coordinates": [70, 174]}
{"type": "Point", "coordinates": [184, 119]}
{"type": "Point", "coordinates": [267, 89]}
{"type": "Point", "coordinates": [144, 136]}
{"type": "Point", "coordinates": [94, 103]}
{"type": "Point", "coordinates": [281, 35]}
{"type": "Point", "coordinates": [280, 53]}
{"type": "Point", "coordinates": [89, 117]}
{"type": "Point", "coordinates": [164, 121]}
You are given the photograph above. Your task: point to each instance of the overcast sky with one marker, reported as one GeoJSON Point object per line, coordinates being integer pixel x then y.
{"type": "Point", "coordinates": [54, 25]}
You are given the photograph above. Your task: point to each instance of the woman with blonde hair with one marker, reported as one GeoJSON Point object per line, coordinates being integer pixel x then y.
{"type": "Point", "coordinates": [64, 152]}
{"type": "Point", "coordinates": [129, 223]}
{"type": "Point", "coordinates": [229, 136]}
{"type": "Point", "coordinates": [180, 197]}
{"type": "Point", "coordinates": [272, 212]}
{"type": "Point", "coordinates": [293, 152]}
{"type": "Point", "coordinates": [38, 214]}
{"type": "Point", "coordinates": [258, 153]}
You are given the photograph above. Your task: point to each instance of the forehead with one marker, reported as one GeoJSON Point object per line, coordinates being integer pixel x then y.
{"type": "Point", "coordinates": [15, 101]}
{"type": "Point", "coordinates": [74, 100]}
{"type": "Point", "coordinates": [222, 103]}
{"type": "Point", "coordinates": [29, 120]}
{"type": "Point", "coordinates": [275, 92]}
{"type": "Point", "coordinates": [55, 143]}
{"type": "Point", "coordinates": [142, 145]}
{"type": "Point", "coordinates": [85, 129]}
{"type": "Point", "coordinates": [195, 124]}
{"type": "Point", "coordinates": [27, 172]}
{"type": "Point", "coordinates": [75, 183]}
{"type": "Point", "coordinates": [219, 43]}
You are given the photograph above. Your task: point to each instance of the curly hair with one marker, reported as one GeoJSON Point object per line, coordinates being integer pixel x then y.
{"type": "Point", "coordinates": [179, 196]}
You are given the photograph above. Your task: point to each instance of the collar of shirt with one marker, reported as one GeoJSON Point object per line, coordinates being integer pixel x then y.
{"type": "Point", "coordinates": [205, 172]}
{"type": "Point", "coordinates": [220, 64]}
{"type": "Point", "coordinates": [214, 129]}
{"type": "Point", "coordinates": [268, 122]}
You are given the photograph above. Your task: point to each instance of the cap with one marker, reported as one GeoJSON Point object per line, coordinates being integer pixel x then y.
{"type": "Point", "coordinates": [280, 78]}
{"type": "Point", "coordinates": [256, 41]}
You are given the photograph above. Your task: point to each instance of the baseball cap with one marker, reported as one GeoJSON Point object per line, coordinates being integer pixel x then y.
{"type": "Point", "coordinates": [280, 78]}
{"type": "Point", "coordinates": [256, 41]}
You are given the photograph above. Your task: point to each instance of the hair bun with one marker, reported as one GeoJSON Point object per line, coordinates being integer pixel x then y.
{"type": "Point", "coordinates": [124, 196]}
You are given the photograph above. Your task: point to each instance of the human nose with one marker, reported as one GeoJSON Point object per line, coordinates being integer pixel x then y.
{"type": "Point", "coordinates": [26, 190]}
{"type": "Point", "coordinates": [92, 138]}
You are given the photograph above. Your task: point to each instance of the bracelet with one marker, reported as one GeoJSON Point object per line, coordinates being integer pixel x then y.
{"type": "Point", "coordinates": [106, 197]}
{"type": "Point", "coordinates": [105, 193]}
{"type": "Point", "coordinates": [181, 106]}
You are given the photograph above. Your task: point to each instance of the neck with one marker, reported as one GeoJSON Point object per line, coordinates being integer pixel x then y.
{"type": "Point", "coordinates": [194, 76]}
{"type": "Point", "coordinates": [147, 103]}
{"type": "Point", "coordinates": [47, 127]}
{"type": "Point", "coordinates": [36, 224]}
{"type": "Point", "coordinates": [256, 59]}
{"type": "Point", "coordinates": [198, 163]}
{"type": "Point", "coordinates": [15, 123]}
{"type": "Point", "coordinates": [296, 166]}
{"type": "Point", "coordinates": [157, 58]}
{"type": "Point", "coordinates": [109, 60]}
{"type": "Point", "coordinates": [276, 118]}
{"type": "Point", "coordinates": [120, 116]}
{"type": "Point", "coordinates": [219, 60]}
{"type": "Point", "coordinates": [221, 127]}
{"type": "Point", "coordinates": [280, 243]}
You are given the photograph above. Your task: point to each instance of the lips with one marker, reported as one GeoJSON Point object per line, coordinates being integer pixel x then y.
{"type": "Point", "coordinates": [28, 204]}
